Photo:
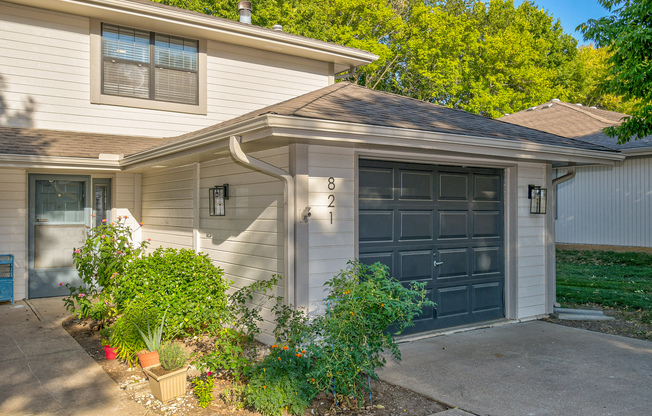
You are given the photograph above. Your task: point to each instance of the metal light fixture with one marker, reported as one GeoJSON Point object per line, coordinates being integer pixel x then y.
{"type": "Point", "coordinates": [538, 197]}
{"type": "Point", "coordinates": [216, 198]}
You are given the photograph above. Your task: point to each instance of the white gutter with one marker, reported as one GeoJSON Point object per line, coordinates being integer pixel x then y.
{"type": "Point", "coordinates": [288, 202]}
{"type": "Point", "coordinates": [567, 177]}
{"type": "Point", "coordinates": [58, 162]}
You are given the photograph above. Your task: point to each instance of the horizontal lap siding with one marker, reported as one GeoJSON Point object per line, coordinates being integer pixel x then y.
{"type": "Point", "coordinates": [13, 224]}
{"type": "Point", "coordinates": [45, 73]}
{"type": "Point", "coordinates": [127, 201]}
{"type": "Point", "coordinates": [607, 205]}
{"type": "Point", "coordinates": [531, 262]}
{"type": "Point", "coordinates": [331, 245]}
{"type": "Point", "coordinates": [167, 207]}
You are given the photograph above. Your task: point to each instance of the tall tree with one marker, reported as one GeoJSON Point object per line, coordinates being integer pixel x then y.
{"type": "Point", "coordinates": [627, 33]}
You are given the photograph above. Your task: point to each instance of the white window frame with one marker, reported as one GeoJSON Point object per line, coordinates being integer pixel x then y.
{"type": "Point", "coordinates": [97, 97]}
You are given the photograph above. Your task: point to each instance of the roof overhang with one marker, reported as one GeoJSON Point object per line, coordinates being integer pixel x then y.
{"type": "Point", "coordinates": [57, 162]}
{"type": "Point", "coordinates": [167, 20]}
{"type": "Point", "coordinates": [272, 130]}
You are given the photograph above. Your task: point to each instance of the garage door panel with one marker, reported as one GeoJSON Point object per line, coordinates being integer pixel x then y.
{"type": "Point", "coordinates": [376, 226]}
{"type": "Point", "coordinates": [485, 296]}
{"type": "Point", "coordinates": [453, 187]}
{"type": "Point", "coordinates": [487, 224]}
{"type": "Point", "coordinates": [376, 183]}
{"type": "Point", "coordinates": [487, 188]}
{"type": "Point", "coordinates": [415, 225]}
{"type": "Point", "coordinates": [487, 260]}
{"type": "Point", "coordinates": [454, 263]}
{"type": "Point", "coordinates": [427, 314]}
{"type": "Point", "coordinates": [452, 301]}
{"type": "Point", "coordinates": [415, 265]}
{"type": "Point", "coordinates": [452, 215]}
{"type": "Point", "coordinates": [415, 185]}
{"type": "Point", "coordinates": [453, 224]}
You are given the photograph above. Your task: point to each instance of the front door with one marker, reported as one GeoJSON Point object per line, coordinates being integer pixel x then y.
{"type": "Point", "coordinates": [59, 211]}
{"type": "Point", "coordinates": [439, 225]}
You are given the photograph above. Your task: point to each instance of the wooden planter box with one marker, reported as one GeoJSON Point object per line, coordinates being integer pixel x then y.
{"type": "Point", "coordinates": [167, 386]}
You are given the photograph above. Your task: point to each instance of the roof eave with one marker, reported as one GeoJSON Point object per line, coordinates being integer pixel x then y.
{"type": "Point", "coordinates": [58, 162]}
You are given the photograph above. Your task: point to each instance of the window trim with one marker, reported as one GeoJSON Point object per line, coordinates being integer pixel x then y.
{"type": "Point", "coordinates": [97, 97]}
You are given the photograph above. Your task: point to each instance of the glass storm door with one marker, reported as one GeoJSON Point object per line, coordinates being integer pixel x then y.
{"type": "Point", "coordinates": [59, 213]}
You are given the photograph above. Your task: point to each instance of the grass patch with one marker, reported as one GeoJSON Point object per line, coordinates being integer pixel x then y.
{"type": "Point", "coordinates": [606, 278]}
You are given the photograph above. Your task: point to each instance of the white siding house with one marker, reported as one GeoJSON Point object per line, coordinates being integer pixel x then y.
{"type": "Point", "coordinates": [436, 194]}
{"type": "Point", "coordinates": [600, 205]}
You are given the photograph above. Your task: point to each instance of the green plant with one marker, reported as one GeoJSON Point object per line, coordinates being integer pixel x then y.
{"type": "Point", "coordinates": [184, 282]}
{"type": "Point", "coordinates": [172, 356]}
{"type": "Point", "coordinates": [125, 334]}
{"type": "Point", "coordinates": [107, 336]}
{"type": "Point", "coordinates": [234, 396]}
{"type": "Point", "coordinates": [108, 249]}
{"type": "Point", "coordinates": [228, 355]}
{"type": "Point", "coordinates": [203, 389]}
{"type": "Point", "coordinates": [281, 382]}
{"type": "Point", "coordinates": [364, 303]}
{"type": "Point", "coordinates": [153, 339]}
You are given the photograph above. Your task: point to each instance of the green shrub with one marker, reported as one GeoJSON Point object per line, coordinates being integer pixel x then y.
{"type": "Point", "coordinates": [364, 302]}
{"type": "Point", "coordinates": [108, 249]}
{"type": "Point", "coordinates": [185, 283]}
{"type": "Point", "coordinates": [203, 389]}
{"type": "Point", "coordinates": [126, 337]}
{"type": "Point", "coordinates": [228, 355]}
{"type": "Point", "coordinates": [280, 382]}
{"type": "Point", "coordinates": [172, 356]}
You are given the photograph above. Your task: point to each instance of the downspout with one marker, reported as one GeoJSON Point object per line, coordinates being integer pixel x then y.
{"type": "Point", "coordinates": [289, 204]}
{"type": "Point", "coordinates": [567, 177]}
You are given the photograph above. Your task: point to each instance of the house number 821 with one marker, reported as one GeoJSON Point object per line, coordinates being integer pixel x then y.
{"type": "Point", "coordinates": [331, 197]}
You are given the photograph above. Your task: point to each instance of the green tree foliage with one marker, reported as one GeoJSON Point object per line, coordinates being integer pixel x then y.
{"type": "Point", "coordinates": [489, 58]}
{"type": "Point", "coordinates": [627, 32]}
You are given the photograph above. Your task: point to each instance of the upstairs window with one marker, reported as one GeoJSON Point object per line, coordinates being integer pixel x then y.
{"type": "Point", "coordinates": [148, 65]}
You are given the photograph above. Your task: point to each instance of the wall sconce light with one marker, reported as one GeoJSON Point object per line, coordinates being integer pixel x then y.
{"type": "Point", "coordinates": [216, 198]}
{"type": "Point", "coordinates": [538, 197]}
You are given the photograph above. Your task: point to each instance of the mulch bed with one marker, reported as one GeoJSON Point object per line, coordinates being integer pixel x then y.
{"type": "Point", "coordinates": [388, 400]}
{"type": "Point", "coordinates": [628, 323]}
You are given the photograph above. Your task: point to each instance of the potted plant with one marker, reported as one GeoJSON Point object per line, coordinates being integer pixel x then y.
{"type": "Point", "coordinates": [153, 342]}
{"type": "Point", "coordinates": [167, 380]}
{"type": "Point", "coordinates": [110, 351]}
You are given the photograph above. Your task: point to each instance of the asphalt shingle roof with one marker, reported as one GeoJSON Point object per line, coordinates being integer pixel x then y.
{"type": "Point", "coordinates": [575, 121]}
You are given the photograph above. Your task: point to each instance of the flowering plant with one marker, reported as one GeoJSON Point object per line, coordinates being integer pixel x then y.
{"type": "Point", "coordinates": [108, 249]}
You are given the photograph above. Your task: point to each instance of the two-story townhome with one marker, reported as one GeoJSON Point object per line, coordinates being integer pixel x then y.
{"type": "Point", "coordinates": [131, 108]}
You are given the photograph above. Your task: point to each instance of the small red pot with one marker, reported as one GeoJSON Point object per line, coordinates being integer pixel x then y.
{"type": "Point", "coordinates": [110, 352]}
{"type": "Point", "coordinates": [148, 359]}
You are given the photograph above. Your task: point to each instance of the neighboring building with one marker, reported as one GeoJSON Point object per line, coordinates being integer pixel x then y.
{"type": "Point", "coordinates": [601, 205]}
{"type": "Point", "coordinates": [127, 107]}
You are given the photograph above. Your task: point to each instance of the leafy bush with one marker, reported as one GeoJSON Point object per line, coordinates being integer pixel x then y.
{"type": "Point", "coordinates": [105, 254]}
{"type": "Point", "coordinates": [280, 382]}
{"type": "Point", "coordinates": [203, 389]}
{"type": "Point", "coordinates": [172, 356]}
{"type": "Point", "coordinates": [364, 302]}
{"type": "Point", "coordinates": [126, 337]}
{"type": "Point", "coordinates": [185, 283]}
{"type": "Point", "coordinates": [227, 356]}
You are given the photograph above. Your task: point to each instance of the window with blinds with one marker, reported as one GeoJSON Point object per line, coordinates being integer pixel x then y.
{"type": "Point", "coordinates": [141, 64]}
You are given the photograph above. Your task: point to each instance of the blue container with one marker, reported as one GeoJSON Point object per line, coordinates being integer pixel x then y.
{"type": "Point", "coordinates": [7, 277]}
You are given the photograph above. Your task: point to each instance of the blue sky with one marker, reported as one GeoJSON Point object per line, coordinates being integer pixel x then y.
{"type": "Point", "coordinates": [571, 13]}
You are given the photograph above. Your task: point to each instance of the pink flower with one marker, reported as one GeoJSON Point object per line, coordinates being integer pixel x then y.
{"type": "Point", "coordinates": [60, 284]}
{"type": "Point", "coordinates": [209, 373]}
{"type": "Point", "coordinates": [142, 223]}
{"type": "Point", "coordinates": [81, 295]}
{"type": "Point", "coordinates": [104, 220]}
{"type": "Point", "coordinates": [103, 236]}
{"type": "Point", "coordinates": [119, 217]}
{"type": "Point", "coordinates": [149, 239]}
{"type": "Point", "coordinates": [126, 217]}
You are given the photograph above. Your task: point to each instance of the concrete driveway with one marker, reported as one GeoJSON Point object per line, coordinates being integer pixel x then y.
{"type": "Point", "coordinates": [529, 369]}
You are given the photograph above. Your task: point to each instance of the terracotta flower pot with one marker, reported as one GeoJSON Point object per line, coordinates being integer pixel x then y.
{"type": "Point", "coordinates": [166, 385]}
{"type": "Point", "coordinates": [148, 359]}
{"type": "Point", "coordinates": [110, 352]}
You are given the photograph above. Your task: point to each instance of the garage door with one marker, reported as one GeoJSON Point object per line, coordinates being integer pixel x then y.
{"type": "Point", "coordinates": [440, 225]}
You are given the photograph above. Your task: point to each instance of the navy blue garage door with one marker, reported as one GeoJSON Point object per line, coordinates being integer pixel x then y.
{"type": "Point", "coordinates": [440, 225]}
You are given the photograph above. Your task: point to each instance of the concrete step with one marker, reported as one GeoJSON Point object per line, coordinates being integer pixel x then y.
{"type": "Point", "coordinates": [581, 315]}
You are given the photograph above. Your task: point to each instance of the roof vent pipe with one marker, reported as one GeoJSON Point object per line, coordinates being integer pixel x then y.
{"type": "Point", "coordinates": [277, 28]}
{"type": "Point", "coordinates": [244, 10]}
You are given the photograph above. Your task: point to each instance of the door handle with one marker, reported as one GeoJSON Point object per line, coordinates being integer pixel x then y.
{"type": "Point", "coordinates": [438, 263]}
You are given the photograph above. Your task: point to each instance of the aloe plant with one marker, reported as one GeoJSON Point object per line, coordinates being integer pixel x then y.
{"type": "Point", "coordinates": [152, 339]}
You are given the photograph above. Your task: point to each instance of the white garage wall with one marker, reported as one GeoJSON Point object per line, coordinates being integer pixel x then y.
{"type": "Point", "coordinates": [13, 224]}
{"type": "Point", "coordinates": [531, 262]}
{"type": "Point", "coordinates": [331, 245]}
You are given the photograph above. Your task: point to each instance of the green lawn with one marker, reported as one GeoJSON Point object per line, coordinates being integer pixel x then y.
{"type": "Point", "coordinates": [605, 278]}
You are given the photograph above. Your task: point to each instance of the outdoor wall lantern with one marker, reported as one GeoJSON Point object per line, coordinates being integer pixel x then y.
{"type": "Point", "coordinates": [216, 198]}
{"type": "Point", "coordinates": [538, 198]}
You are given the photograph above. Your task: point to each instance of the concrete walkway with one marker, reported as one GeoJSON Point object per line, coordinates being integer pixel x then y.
{"type": "Point", "coordinates": [43, 371]}
{"type": "Point", "coordinates": [530, 369]}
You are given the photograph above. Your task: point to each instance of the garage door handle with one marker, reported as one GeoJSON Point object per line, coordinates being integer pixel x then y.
{"type": "Point", "coordinates": [438, 263]}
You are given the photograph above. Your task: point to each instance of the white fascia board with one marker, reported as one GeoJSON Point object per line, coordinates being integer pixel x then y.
{"type": "Point", "coordinates": [639, 151]}
{"type": "Point", "coordinates": [335, 131]}
{"type": "Point", "coordinates": [205, 26]}
{"type": "Point", "coordinates": [58, 162]}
